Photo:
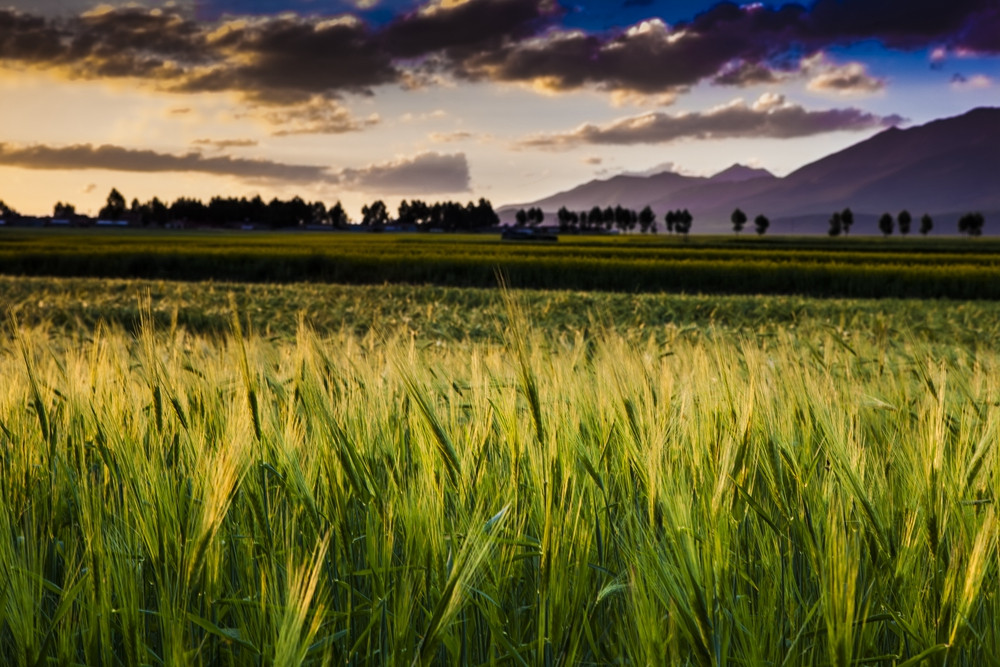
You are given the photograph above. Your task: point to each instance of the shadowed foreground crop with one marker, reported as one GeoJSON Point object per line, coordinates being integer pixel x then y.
{"type": "Point", "coordinates": [812, 496]}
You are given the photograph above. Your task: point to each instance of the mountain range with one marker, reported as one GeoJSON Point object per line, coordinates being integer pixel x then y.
{"type": "Point", "coordinates": [944, 168]}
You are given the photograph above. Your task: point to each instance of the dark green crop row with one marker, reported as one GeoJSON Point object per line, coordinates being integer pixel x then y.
{"type": "Point", "coordinates": [875, 269]}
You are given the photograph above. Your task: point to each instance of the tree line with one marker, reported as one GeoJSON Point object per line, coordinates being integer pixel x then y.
{"type": "Point", "coordinates": [279, 214]}
{"type": "Point", "coordinates": [606, 219]}
{"type": "Point", "coordinates": [970, 224]}
{"type": "Point", "coordinates": [449, 215]}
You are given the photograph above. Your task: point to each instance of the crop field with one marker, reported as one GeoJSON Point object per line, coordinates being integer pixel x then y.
{"type": "Point", "coordinates": [856, 267]}
{"type": "Point", "coordinates": [304, 473]}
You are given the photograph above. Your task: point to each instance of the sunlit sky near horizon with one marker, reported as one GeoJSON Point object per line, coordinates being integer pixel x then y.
{"type": "Point", "coordinates": [511, 100]}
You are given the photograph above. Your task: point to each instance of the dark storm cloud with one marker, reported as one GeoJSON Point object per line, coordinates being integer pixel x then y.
{"type": "Point", "coordinates": [473, 27]}
{"type": "Point", "coordinates": [289, 59]}
{"type": "Point", "coordinates": [279, 60]}
{"type": "Point", "coordinates": [769, 117]}
{"type": "Point", "coordinates": [117, 158]}
{"type": "Point", "coordinates": [909, 24]}
{"type": "Point", "coordinates": [735, 45]}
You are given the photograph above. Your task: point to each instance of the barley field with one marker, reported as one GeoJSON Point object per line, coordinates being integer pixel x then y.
{"type": "Point", "coordinates": [215, 474]}
{"type": "Point", "coordinates": [819, 267]}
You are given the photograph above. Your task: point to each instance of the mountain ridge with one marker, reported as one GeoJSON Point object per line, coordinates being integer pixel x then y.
{"type": "Point", "coordinates": [944, 167]}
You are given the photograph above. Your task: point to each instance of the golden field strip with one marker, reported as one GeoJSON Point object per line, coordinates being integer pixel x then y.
{"type": "Point", "coordinates": [812, 266]}
{"type": "Point", "coordinates": [396, 475]}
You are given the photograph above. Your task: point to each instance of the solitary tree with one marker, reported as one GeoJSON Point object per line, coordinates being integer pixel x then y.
{"type": "Point", "coordinates": [836, 224]}
{"type": "Point", "coordinates": [738, 218]}
{"type": "Point", "coordinates": [885, 224]}
{"type": "Point", "coordinates": [521, 217]}
{"type": "Point", "coordinates": [971, 224]}
{"type": "Point", "coordinates": [647, 219]}
{"type": "Point", "coordinates": [564, 217]}
{"type": "Point", "coordinates": [536, 216]}
{"type": "Point", "coordinates": [904, 219]}
{"type": "Point", "coordinates": [846, 220]}
{"type": "Point", "coordinates": [682, 222]}
{"type": "Point", "coordinates": [115, 207]}
{"type": "Point", "coordinates": [61, 210]}
{"type": "Point", "coordinates": [337, 215]}
{"type": "Point", "coordinates": [926, 224]}
{"type": "Point", "coordinates": [761, 223]}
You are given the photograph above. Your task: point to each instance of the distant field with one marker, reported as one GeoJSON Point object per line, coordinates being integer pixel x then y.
{"type": "Point", "coordinates": [854, 267]}
{"type": "Point", "coordinates": [433, 314]}
{"type": "Point", "coordinates": [424, 475]}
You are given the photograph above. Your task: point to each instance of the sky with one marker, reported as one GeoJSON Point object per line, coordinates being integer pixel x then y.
{"type": "Point", "coordinates": [511, 100]}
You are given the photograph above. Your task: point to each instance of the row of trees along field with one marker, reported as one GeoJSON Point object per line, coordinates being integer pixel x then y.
{"type": "Point", "coordinates": [840, 223]}
{"type": "Point", "coordinates": [295, 212]}
{"type": "Point", "coordinates": [608, 218]}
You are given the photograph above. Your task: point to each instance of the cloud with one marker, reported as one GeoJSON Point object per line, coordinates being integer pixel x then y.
{"type": "Point", "coordinates": [848, 79]}
{"type": "Point", "coordinates": [823, 75]}
{"type": "Point", "coordinates": [458, 30]}
{"type": "Point", "coordinates": [315, 116]}
{"type": "Point", "coordinates": [743, 74]}
{"type": "Point", "coordinates": [733, 45]}
{"type": "Point", "coordinates": [288, 59]}
{"type": "Point", "coordinates": [769, 116]}
{"type": "Point", "coordinates": [974, 82]}
{"type": "Point", "coordinates": [222, 144]}
{"type": "Point", "coordinates": [425, 173]}
{"type": "Point", "coordinates": [117, 158]}
{"type": "Point", "coordinates": [277, 60]}
{"type": "Point", "coordinates": [450, 137]}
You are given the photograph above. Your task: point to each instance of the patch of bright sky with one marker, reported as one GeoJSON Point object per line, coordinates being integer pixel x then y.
{"type": "Point", "coordinates": [920, 84]}
{"type": "Point", "coordinates": [598, 15]}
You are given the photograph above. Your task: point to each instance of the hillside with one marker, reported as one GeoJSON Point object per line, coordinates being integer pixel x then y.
{"type": "Point", "coordinates": [944, 168]}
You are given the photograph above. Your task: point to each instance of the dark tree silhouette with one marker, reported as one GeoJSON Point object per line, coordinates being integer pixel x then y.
{"type": "Point", "coordinates": [67, 210]}
{"type": "Point", "coordinates": [671, 220]}
{"type": "Point", "coordinates": [114, 209]}
{"type": "Point", "coordinates": [376, 215]}
{"type": "Point", "coordinates": [608, 216]}
{"type": "Point", "coordinates": [836, 224]}
{"type": "Point", "coordinates": [971, 224]}
{"type": "Point", "coordinates": [738, 218]}
{"type": "Point", "coordinates": [564, 217]}
{"type": "Point", "coordinates": [926, 224]}
{"type": "Point", "coordinates": [596, 217]}
{"type": "Point", "coordinates": [536, 216]}
{"type": "Point", "coordinates": [682, 221]}
{"type": "Point", "coordinates": [846, 220]}
{"type": "Point", "coordinates": [885, 224]}
{"type": "Point", "coordinates": [405, 213]}
{"type": "Point", "coordinates": [646, 219]}
{"type": "Point", "coordinates": [904, 219]}
{"type": "Point", "coordinates": [761, 223]}
{"type": "Point", "coordinates": [521, 217]}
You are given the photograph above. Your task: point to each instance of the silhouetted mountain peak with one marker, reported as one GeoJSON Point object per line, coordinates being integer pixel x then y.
{"type": "Point", "coordinates": [738, 173]}
{"type": "Point", "coordinates": [942, 167]}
